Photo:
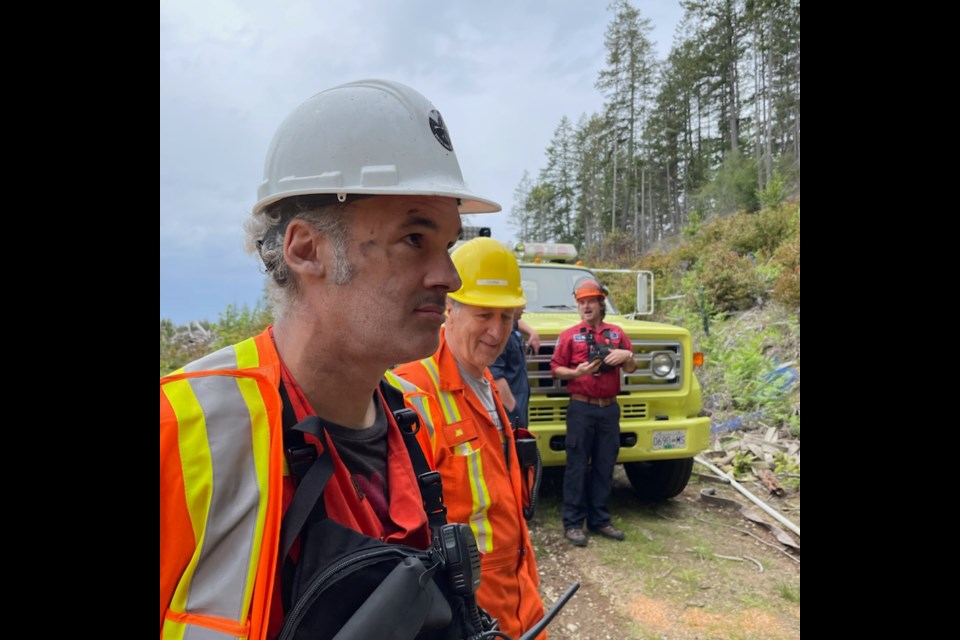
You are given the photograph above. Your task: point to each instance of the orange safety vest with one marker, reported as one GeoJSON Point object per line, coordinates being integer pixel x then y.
{"type": "Point", "coordinates": [222, 481]}
{"type": "Point", "coordinates": [481, 487]}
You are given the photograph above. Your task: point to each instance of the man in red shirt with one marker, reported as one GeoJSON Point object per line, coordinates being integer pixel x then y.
{"type": "Point", "coordinates": [589, 355]}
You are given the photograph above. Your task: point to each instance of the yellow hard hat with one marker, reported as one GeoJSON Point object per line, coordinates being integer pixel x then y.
{"type": "Point", "coordinates": [490, 275]}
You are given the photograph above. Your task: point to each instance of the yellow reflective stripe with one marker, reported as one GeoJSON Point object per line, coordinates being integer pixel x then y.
{"type": "Point", "coordinates": [448, 404]}
{"type": "Point", "coordinates": [415, 396]}
{"type": "Point", "coordinates": [397, 381]}
{"type": "Point", "coordinates": [479, 522]}
{"type": "Point", "coordinates": [451, 412]}
{"type": "Point", "coordinates": [224, 441]}
{"type": "Point", "coordinates": [479, 493]}
{"type": "Point", "coordinates": [260, 435]}
{"type": "Point", "coordinates": [173, 630]}
{"type": "Point", "coordinates": [247, 356]}
{"type": "Point", "coordinates": [197, 465]}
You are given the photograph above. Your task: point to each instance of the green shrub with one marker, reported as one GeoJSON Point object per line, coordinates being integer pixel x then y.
{"type": "Point", "coordinates": [180, 344]}
{"type": "Point", "coordinates": [743, 364]}
{"type": "Point", "coordinates": [733, 187]}
{"type": "Point", "coordinates": [730, 281]}
{"type": "Point", "coordinates": [788, 468]}
{"type": "Point", "coordinates": [776, 226]}
{"type": "Point", "coordinates": [667, 270]}
{"type": "Point", "coordinates": [786, 286]}
{"type": "Point", "coordinates": [623, 290]}
{"type": "Point", "coordinates": [774, 193]}
{"type": "Point", "coordinates": [693, 227]}
{"type": "Point", "coordinates": [239, 323]}
{"type": "Point", "coordinates": [741, 233]}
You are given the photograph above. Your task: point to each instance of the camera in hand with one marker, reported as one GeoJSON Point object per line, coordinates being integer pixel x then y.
{"type": "Point", "coordinates": [597, 350]}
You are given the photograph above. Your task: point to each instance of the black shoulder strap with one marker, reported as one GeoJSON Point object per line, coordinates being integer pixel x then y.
{"type": "Point", "coordinates": [312, 472]}
{"type": "Point", "coordinates": [298, 453]}
{"type": "Point", "coordinates": [310, 488]}
{"type": "Point", "coordinates": [431, 489]}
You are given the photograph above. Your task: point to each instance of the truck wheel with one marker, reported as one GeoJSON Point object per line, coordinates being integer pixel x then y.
{"type": "Point", "coordinates": [552, 482]}
{"type": "Point", "coordinates": [660, 479]}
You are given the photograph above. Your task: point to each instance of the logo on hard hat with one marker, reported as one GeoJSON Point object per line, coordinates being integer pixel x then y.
{"type": "Point", "coordinates": [440, 130]}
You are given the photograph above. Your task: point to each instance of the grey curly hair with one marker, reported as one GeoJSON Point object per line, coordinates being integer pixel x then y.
{"type": "Point", "coordinates": [264, 233]}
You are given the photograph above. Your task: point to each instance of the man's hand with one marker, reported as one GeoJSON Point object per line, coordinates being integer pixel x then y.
{"type": "Point", "coordinates": [617, 357]}
{"type": "Point", "coordinates": [588, 368]}
{"type": "Point", "coordinates": [533, 338]}
{"type": "Point", "coordinates": [506, 396]}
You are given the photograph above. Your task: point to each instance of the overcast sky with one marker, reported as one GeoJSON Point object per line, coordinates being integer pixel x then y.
{"type": "Point", "coordinates": [502, 74]}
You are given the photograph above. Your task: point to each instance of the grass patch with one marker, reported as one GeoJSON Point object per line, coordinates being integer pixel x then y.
{"type": "Point", "coordinates": [789, 592]}
{"type": "Point", "coordinates": [702, 552]}
{"type": "Point", "coordinates": [753, 601]}
{"type": "Point", "coordinates": [688, 577]}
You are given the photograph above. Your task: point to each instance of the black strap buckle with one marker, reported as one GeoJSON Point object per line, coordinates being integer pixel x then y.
{"type": "Point", "coordinates": [431, 489]}
{"type": "Point", "coordinates": [299, 459]}
{"type": "Point", "coordinates": [408, 420]}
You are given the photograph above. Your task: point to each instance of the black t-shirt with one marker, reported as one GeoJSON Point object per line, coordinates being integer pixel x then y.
{"type": "Point", "coordinates": [364, 453]}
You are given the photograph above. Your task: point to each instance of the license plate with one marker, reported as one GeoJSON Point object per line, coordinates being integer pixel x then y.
{"type": "Point", "coordinates": [669, 440]}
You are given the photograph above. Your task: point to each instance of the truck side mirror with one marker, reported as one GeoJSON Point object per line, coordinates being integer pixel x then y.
{"type": "Point", "coordinates": [644, 293]}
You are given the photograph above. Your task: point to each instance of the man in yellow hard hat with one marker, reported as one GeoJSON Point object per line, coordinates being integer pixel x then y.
{"type": "Point", "coordinates": [474, 445]}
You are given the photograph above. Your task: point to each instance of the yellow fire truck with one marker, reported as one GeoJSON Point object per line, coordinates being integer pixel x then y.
{"type": "Point", "coordinates": [661, 424]}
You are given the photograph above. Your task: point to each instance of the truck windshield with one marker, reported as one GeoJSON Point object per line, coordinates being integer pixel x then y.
{"type": "Point", "coordinates": [550, 289]}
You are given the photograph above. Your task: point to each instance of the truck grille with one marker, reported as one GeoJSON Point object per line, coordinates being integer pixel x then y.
{"type": "Point", "coordinates": [542, 382]}
{"type": "Point", "coordinates": [557, 411]}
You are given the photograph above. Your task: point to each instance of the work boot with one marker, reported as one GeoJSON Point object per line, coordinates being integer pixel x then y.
{"type": "Point", "coordinates": [576, 537]}
{"type": "Point", "coordinates": [609, 531]}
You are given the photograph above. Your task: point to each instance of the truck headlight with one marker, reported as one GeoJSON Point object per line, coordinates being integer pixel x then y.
{"type": "Point", "coordinates": [662, 364]}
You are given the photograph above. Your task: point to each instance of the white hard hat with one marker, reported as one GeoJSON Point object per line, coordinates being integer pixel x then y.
{"type": "Point", "coordinates": [373, 137]}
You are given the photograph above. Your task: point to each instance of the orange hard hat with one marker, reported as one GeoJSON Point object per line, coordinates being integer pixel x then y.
{"type": "Point", "coordinates": [589, 289]}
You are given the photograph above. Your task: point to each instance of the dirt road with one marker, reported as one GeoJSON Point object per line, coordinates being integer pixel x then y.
{"type": "Point", "coordinates": [687, 570]}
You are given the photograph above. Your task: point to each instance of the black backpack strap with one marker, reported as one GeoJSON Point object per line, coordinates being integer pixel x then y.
{"type": "Point", "coordinates": [298, 453]}
{"type": "Point", "coordinates": [310, 488]}
{"type": "Point", "coordinates": [431, 489]}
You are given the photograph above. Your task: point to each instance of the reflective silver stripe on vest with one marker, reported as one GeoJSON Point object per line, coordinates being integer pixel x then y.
{"type": "Point", "coordinates": [221, 573]}
{"type": "Point", "coordinates": [202, 633]}
{"type": "Point", "coordinates": [226, 358]}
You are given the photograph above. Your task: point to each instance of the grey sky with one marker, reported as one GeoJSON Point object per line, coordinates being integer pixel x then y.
{"type": "Point", "coordinates": [501, 72]}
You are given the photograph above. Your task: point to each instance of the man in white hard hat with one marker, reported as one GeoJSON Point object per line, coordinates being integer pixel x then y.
{"type": "Point", "coordinates": [360, 202]}
{"type": "Point", "coordinates": [473, 442]}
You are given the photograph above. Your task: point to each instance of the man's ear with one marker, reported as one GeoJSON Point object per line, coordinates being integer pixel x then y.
{"type": "Point", "coordinates": [301, 249]}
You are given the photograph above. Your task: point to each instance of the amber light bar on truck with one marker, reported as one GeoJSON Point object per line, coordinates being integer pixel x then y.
{"type": "Point", "coordinates": [544, 252]}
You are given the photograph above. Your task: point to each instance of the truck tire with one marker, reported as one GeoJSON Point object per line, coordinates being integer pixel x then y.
{"type": "Point", "coordinates": [660, 479]}
{"type": "Point", "coordinates": [552, 481]}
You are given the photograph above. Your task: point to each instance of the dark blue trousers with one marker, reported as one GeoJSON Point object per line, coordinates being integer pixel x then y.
{"type": "Point", "coordinates": [592, 443]}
